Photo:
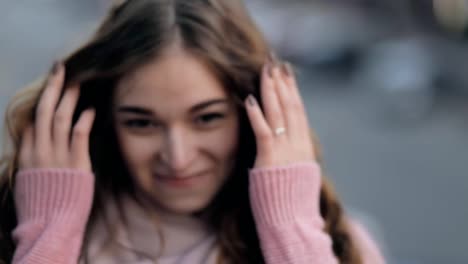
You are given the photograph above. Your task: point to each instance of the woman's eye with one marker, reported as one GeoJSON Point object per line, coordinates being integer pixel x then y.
{"type": "Point", "coordinates": [138, 123]}
{"type": "Point", "coordinates": [208, 118]}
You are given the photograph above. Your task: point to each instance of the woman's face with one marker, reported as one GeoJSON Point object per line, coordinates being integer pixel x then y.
{"type": "Point", "coordinates": [177, 130]}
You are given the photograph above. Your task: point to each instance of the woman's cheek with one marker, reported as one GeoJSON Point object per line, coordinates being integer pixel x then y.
{"type": "Point", "coordinates": [137, 151]}
{"type": "Point", "coordinates": [223, 142]}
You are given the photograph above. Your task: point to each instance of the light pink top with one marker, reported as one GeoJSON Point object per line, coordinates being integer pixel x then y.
{"type": "Point", "coordinates": [53, 207]}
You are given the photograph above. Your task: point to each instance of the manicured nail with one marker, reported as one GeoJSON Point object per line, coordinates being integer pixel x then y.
{"type": "Point", "coordinates": [91, 111]}
{"type": "Point", "coordinates": [55, 68]}
{"type": "Point", "coordinates": [287, 69]}
{"type": "Point", "coordinates": [272, 57]}
{"type": "Point", "coordinates": [269, 69]}
{"type": "Point", "coordinates": [284, 69]}
{"type": "Point", "coordinates": [274, 68]}
{"type": "Point", "coordinates": [251, 100]}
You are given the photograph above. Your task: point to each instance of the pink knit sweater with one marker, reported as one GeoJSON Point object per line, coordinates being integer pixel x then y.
{"type": "Point", "coordinates": [53, 206]}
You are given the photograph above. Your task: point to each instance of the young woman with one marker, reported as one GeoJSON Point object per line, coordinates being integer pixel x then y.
{"type": "Point", "coordinates": [170, 137]}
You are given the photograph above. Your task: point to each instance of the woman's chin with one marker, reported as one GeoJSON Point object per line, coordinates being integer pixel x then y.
{"type": "Point", "coordinates": [184, 207]}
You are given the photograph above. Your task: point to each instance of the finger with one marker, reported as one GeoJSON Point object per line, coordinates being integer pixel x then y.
{"type": "Point", "coordinates": [284, 97]}
{"type": "Point", "coordinates": [300, 132]}
{"type": "Point", "coordinates": [80, 139]}
{"type": "Point", "coordinates": [290, 77]}
{"type": "Point", "coordinates": [46, 108]}
{"type": "Point", "coordinates": [63, 120]}
{"type": "Point", "coordinates": [296, 98]}
{"type": "Point", "coordinates": [259, 124]}
{"type": "Point", "coordinates": [290, 80]}
{"type": "Point", "coordinates": [270, 101]}
{"type": "Point", "coordinates": [26, 146]}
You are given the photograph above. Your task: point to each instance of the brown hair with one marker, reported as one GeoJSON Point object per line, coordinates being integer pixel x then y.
{"type": "Point", "coordinates": [223, 36]}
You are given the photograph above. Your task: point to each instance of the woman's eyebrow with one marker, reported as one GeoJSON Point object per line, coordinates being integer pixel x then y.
{"type": "Point", "coordinates": [205, 104]}
{"type": "Point", "coordinates": [144, 111]}
{"type": "Point", "coordinates": [134, 110]}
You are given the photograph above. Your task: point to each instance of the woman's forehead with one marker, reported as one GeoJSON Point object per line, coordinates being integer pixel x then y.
{"type": "Point", "coordinates": [177, 76]}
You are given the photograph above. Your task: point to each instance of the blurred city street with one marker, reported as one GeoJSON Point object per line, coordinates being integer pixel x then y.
{"type": "Point", "coordinates": [386, 90]}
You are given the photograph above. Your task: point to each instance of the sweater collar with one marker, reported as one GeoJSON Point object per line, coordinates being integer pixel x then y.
{"type": "Point", "coordinates": [148, 232]}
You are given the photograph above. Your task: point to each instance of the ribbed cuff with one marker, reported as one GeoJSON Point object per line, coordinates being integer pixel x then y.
{"type": "Point", "coordinates": [53, 194]}
{"type": "Point", "coordinates": [286, 194]}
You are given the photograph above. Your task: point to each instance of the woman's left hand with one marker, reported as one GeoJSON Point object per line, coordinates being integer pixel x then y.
{"type": "Point", "coordinates": [281, 130]}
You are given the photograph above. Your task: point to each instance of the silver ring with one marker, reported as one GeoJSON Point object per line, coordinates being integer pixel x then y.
{"type": "Point", "coordinates": [279, 131]}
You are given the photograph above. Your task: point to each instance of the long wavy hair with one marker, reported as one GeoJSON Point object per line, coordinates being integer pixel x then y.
{"type": "Point", "coordinates": [222, 35]}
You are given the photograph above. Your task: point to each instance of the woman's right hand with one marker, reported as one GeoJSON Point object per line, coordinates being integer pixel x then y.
{"type": "Point", "coordinates": [51, 142]}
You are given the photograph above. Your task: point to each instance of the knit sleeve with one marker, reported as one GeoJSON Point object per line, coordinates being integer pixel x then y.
{"type": "Point", "coordinates": [285, 203]}
{"type": "Point", "coordinates": [53, 207]}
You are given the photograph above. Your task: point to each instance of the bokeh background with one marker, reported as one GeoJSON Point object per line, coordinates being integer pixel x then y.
{"type": "Point", "coordinates": [386, 88]}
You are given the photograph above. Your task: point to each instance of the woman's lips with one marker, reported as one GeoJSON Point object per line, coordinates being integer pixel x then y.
{"type": "Point", "coordinates": [181, 181]}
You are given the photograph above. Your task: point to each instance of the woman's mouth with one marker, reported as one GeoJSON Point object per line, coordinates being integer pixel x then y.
{"type": "Point", "coordinates": [180, 181]}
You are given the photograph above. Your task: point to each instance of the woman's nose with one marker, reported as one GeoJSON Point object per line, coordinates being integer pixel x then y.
{"type": "Point", "coordinates": [178, 151]}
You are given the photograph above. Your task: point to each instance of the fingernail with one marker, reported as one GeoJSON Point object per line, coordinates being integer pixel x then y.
{"type": "Point", "coordinates": [270, 67]}
{"type": "Point", "coordinates": [251, 100]}
{"type": "Point", "coordinates": [275, 68]}
{"type": "Point", "coordinates": [272, 57]}
{"type": "Point", "coordinates": [287, 69]}
{"type": "Point", "coordinates": [284, 69]}
{"type": "Point", "coordinates": [55, 68]}
{"type": "Point", "coordinates": [91, 111]}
